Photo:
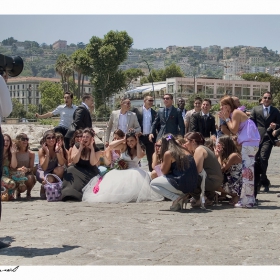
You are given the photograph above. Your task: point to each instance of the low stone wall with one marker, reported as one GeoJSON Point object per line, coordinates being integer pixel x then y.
{"type": "Point", "coordinates": [35, 133]}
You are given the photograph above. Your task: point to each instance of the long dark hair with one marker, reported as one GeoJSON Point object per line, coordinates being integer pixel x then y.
{"type": "Point", "coordinates": [168, 143]}
{"type": "Point", "coordinates": [92, 133]}
{"type": "Point", "coordinates": [46, 134]}
{"type": "Point", "coordinates": [128, 149]}
{"type": "Point", "coordinates": [228, 147]}
{"type": "Point", "coordinates": [196, 136]}
{"type": "Point", "coordinates": [77, 132]}
{"type": "Point", "coordinates": [11, 143]}
{"type": "Point", "coordinates": [58, 136]}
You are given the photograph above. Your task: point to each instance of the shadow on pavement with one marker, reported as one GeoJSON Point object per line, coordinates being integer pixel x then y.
{"type": "Point", "coordinates": [35, 252]}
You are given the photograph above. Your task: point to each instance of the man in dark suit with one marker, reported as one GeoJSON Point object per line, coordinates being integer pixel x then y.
{"type": "Point", "coordinates": [168, 120]}
{"type": "Point", "coordinates": [146, 116]}
{"type": "Point", "coordinates": [266, 118]}
{"type": "Point", "coordinates": [203, 121]}
{"type": "Point", "coordinates": [81, 116]}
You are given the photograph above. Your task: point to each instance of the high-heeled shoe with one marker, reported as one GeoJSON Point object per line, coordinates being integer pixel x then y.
{"type": "Point", "coordinates": [185, 199]}
{"type": "Point", "coordinates": [177, 204]}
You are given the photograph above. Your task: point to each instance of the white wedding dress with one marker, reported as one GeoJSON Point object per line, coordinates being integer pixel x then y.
{"type": "Point", "coordinates": [130, 185]}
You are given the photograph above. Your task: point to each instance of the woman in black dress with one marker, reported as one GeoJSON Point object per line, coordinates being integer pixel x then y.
{"type": "Point", "coordinates": [84, 156]}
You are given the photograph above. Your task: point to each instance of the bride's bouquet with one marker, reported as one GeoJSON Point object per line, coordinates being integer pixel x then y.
{"type": "Point", "coordinates": [120, 164]}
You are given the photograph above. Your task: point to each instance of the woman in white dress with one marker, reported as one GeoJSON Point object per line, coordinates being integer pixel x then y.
{"type": "Point", "coordinates": [130, 185]}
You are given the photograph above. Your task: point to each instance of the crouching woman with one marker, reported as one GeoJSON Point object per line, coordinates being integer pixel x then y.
{"type": "Point", "coordinates": [180, 173]}
{"type": "Point", "coordinates": [85, 155]}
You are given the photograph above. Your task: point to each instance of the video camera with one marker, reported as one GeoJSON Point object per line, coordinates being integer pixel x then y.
{"type": "Point", "coordinates": [12, 66]}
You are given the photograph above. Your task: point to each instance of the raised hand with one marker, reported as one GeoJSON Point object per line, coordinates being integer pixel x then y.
{"type": "Point", "coordinates": [13, 148]}
{"type": "Point", "coordinates": [46, 149]}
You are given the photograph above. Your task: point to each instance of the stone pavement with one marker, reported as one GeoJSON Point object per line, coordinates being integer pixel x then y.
{"type": "Point", "coordinates": [71, 233]}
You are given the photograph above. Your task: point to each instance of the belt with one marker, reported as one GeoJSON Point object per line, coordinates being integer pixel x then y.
{"type": "Point", "coordinates": [145, 134]}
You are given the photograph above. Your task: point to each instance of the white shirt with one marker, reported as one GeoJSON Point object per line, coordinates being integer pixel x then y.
{"type": "Point", "coordinates": [66, 115]}
{"type": "Point", "coordinates": [264, 111]}
{"type": "Point", "coordinates": [85, 105]}
{"type": "Point", "coordinates": [6, 106]}
{"type": "Point", "coordinates": [123, 122]}
{"type": "Point", "coordinates": [147, 120]}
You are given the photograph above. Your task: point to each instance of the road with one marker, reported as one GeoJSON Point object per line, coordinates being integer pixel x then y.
{"type": "Point", "coordinates": [72, 233]}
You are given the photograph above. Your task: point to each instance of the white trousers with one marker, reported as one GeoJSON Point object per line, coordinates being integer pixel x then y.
{"type": "Point", "coordinates": [162, 186]}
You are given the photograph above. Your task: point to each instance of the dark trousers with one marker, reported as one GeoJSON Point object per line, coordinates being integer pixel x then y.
{"type": "Point", "coordinates": [63, 131]}
{"type": "Point", "coordinates": [1, 162]}
{"type": "Point", "coordinates": [150, 149]}
{"type": "Point", "coordinates": [261, 163]}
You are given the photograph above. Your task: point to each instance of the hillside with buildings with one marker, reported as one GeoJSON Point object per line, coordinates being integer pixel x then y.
{"type": "Point", "coordinates": [212, 61]}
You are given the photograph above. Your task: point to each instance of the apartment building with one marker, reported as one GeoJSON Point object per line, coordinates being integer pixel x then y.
{"type": "Point", "coordinates": [26, 89]}
{"type": "Point", "coordinates": [60, 45]}
{"type": "Point", "coordinates": [216, 88]}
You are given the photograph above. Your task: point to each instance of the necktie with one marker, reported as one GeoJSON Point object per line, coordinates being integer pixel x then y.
{"type": "Point", "coordinates": [205, 119]}
{"type": "Point", "coordinates": [166, 113]}
{"type": "Point", "coordinates": [266, 112]}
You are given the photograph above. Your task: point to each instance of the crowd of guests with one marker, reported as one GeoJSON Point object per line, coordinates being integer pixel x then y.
{"type": "Point", "coordinates": [190, 158]}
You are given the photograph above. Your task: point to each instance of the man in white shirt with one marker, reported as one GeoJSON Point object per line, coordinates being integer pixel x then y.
{"type": "Point", "coordinates": [122, 119]}
{"type": "Point", "coordinates": [146, 116]}
{"type": "Point", "coordinates": [5, 110]}
{"type": "Point", "coordinates": [66, 112]}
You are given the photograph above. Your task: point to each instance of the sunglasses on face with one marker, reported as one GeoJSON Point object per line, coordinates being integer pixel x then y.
{"type": "Point", "coordinates": [268, 98]}
{"type": "Point", "coordinates": [50, 137]}
{"type": "Point", "coordinates": [151, 100]}
{"type": "Point", "coordinates": [158, 146]}
{"type": "Point", "coordinates": [166, 98]}
{"type": "Point", "coordinates": [24, 139]}
{"type": "Point", "coordinates": [79, 136]}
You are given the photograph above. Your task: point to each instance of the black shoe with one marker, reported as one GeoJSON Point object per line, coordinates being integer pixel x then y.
{"type": "Point", "coordinates": [4, 245]}
{"type": "Point", "coordinates": [266, 188]}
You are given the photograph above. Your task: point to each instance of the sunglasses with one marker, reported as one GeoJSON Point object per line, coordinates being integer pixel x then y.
{"type": "Point", "coordinates": [166, 98]}
{"type": "Point", "coordinates": [50, 137]}
{"type": "Point", "coordinates": [24, 139]}
{"type": "Point", "coordinates": [268, 98]}
{"type": "Point", "coordinates": [79, 136]}
{"type": "Point", "coordinates": [158, 146]}
{"type": "Point", "coordinates": [151, 100]}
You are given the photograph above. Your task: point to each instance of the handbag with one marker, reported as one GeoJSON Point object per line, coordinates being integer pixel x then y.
{"type": "Point", "coordinates": [53, 190]}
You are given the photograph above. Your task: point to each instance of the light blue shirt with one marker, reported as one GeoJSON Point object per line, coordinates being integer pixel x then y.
{"type": "Point", "coordinates": [66, 115]}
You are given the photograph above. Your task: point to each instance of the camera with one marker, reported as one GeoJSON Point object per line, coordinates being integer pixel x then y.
{"type": "Point", "coordinates": [12, 66]}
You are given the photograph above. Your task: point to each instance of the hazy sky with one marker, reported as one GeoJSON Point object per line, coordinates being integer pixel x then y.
{"type": "Point", "coordinates": [153, 31]}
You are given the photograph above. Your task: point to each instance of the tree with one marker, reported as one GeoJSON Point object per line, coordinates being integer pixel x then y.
{"type": "Point", "coordinates": [81, 64]}
{"type": "Point", "coordinates": [9, 42]}
{"type": "Point", "coordinates": [81, 45]}
{"type": "Point", "coordinates": [106, 55]}
{"type": "Point", "coordinates": [173, 71]}
{"type": "Point", "coordinates": [18, 109]}
{"type": "Point", "coordinates": [64, 68]}
{"type": "Point", "coordinates": [131, 74]}
{"type": "Point", "coordinates": [52, 95]}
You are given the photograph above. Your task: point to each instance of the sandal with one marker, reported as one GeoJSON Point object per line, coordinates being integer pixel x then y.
{"type": "Point", "coordinates": [28, 196]}
{"type": "Point", "coordinates": [195, 203]}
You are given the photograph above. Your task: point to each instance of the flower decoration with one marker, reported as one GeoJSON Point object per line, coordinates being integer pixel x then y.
{"type": "Point", "coordinates": [169, 137]}
{"type": "Point", "coordinates": [120, 164]}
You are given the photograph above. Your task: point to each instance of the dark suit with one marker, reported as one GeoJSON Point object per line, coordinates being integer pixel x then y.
{"type": "Point", "coordinates": [266, 143]}
{"type": "Point", "coordinates": [81, 120]}
{"type": "Point", "coordinates": [145, 137]}
{"type": "Point", "coordinates": [205, 127]}
{"type": "Point", "coordinates": [173, 124]}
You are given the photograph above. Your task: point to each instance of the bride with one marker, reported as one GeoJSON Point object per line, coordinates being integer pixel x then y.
{"type": "Point", "coordinates": [130, 185]}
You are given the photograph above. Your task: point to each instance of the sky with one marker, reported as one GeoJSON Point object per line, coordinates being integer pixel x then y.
{"type": "Point", "coordinates": [151, 24]}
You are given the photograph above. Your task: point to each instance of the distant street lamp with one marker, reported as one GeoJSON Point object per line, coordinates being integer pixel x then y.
{"type": "Point", "coordinates": [151, 78]}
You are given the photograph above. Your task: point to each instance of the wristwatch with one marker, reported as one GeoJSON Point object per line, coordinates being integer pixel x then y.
{"type": "Point", "coordinates": [227, 119]}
